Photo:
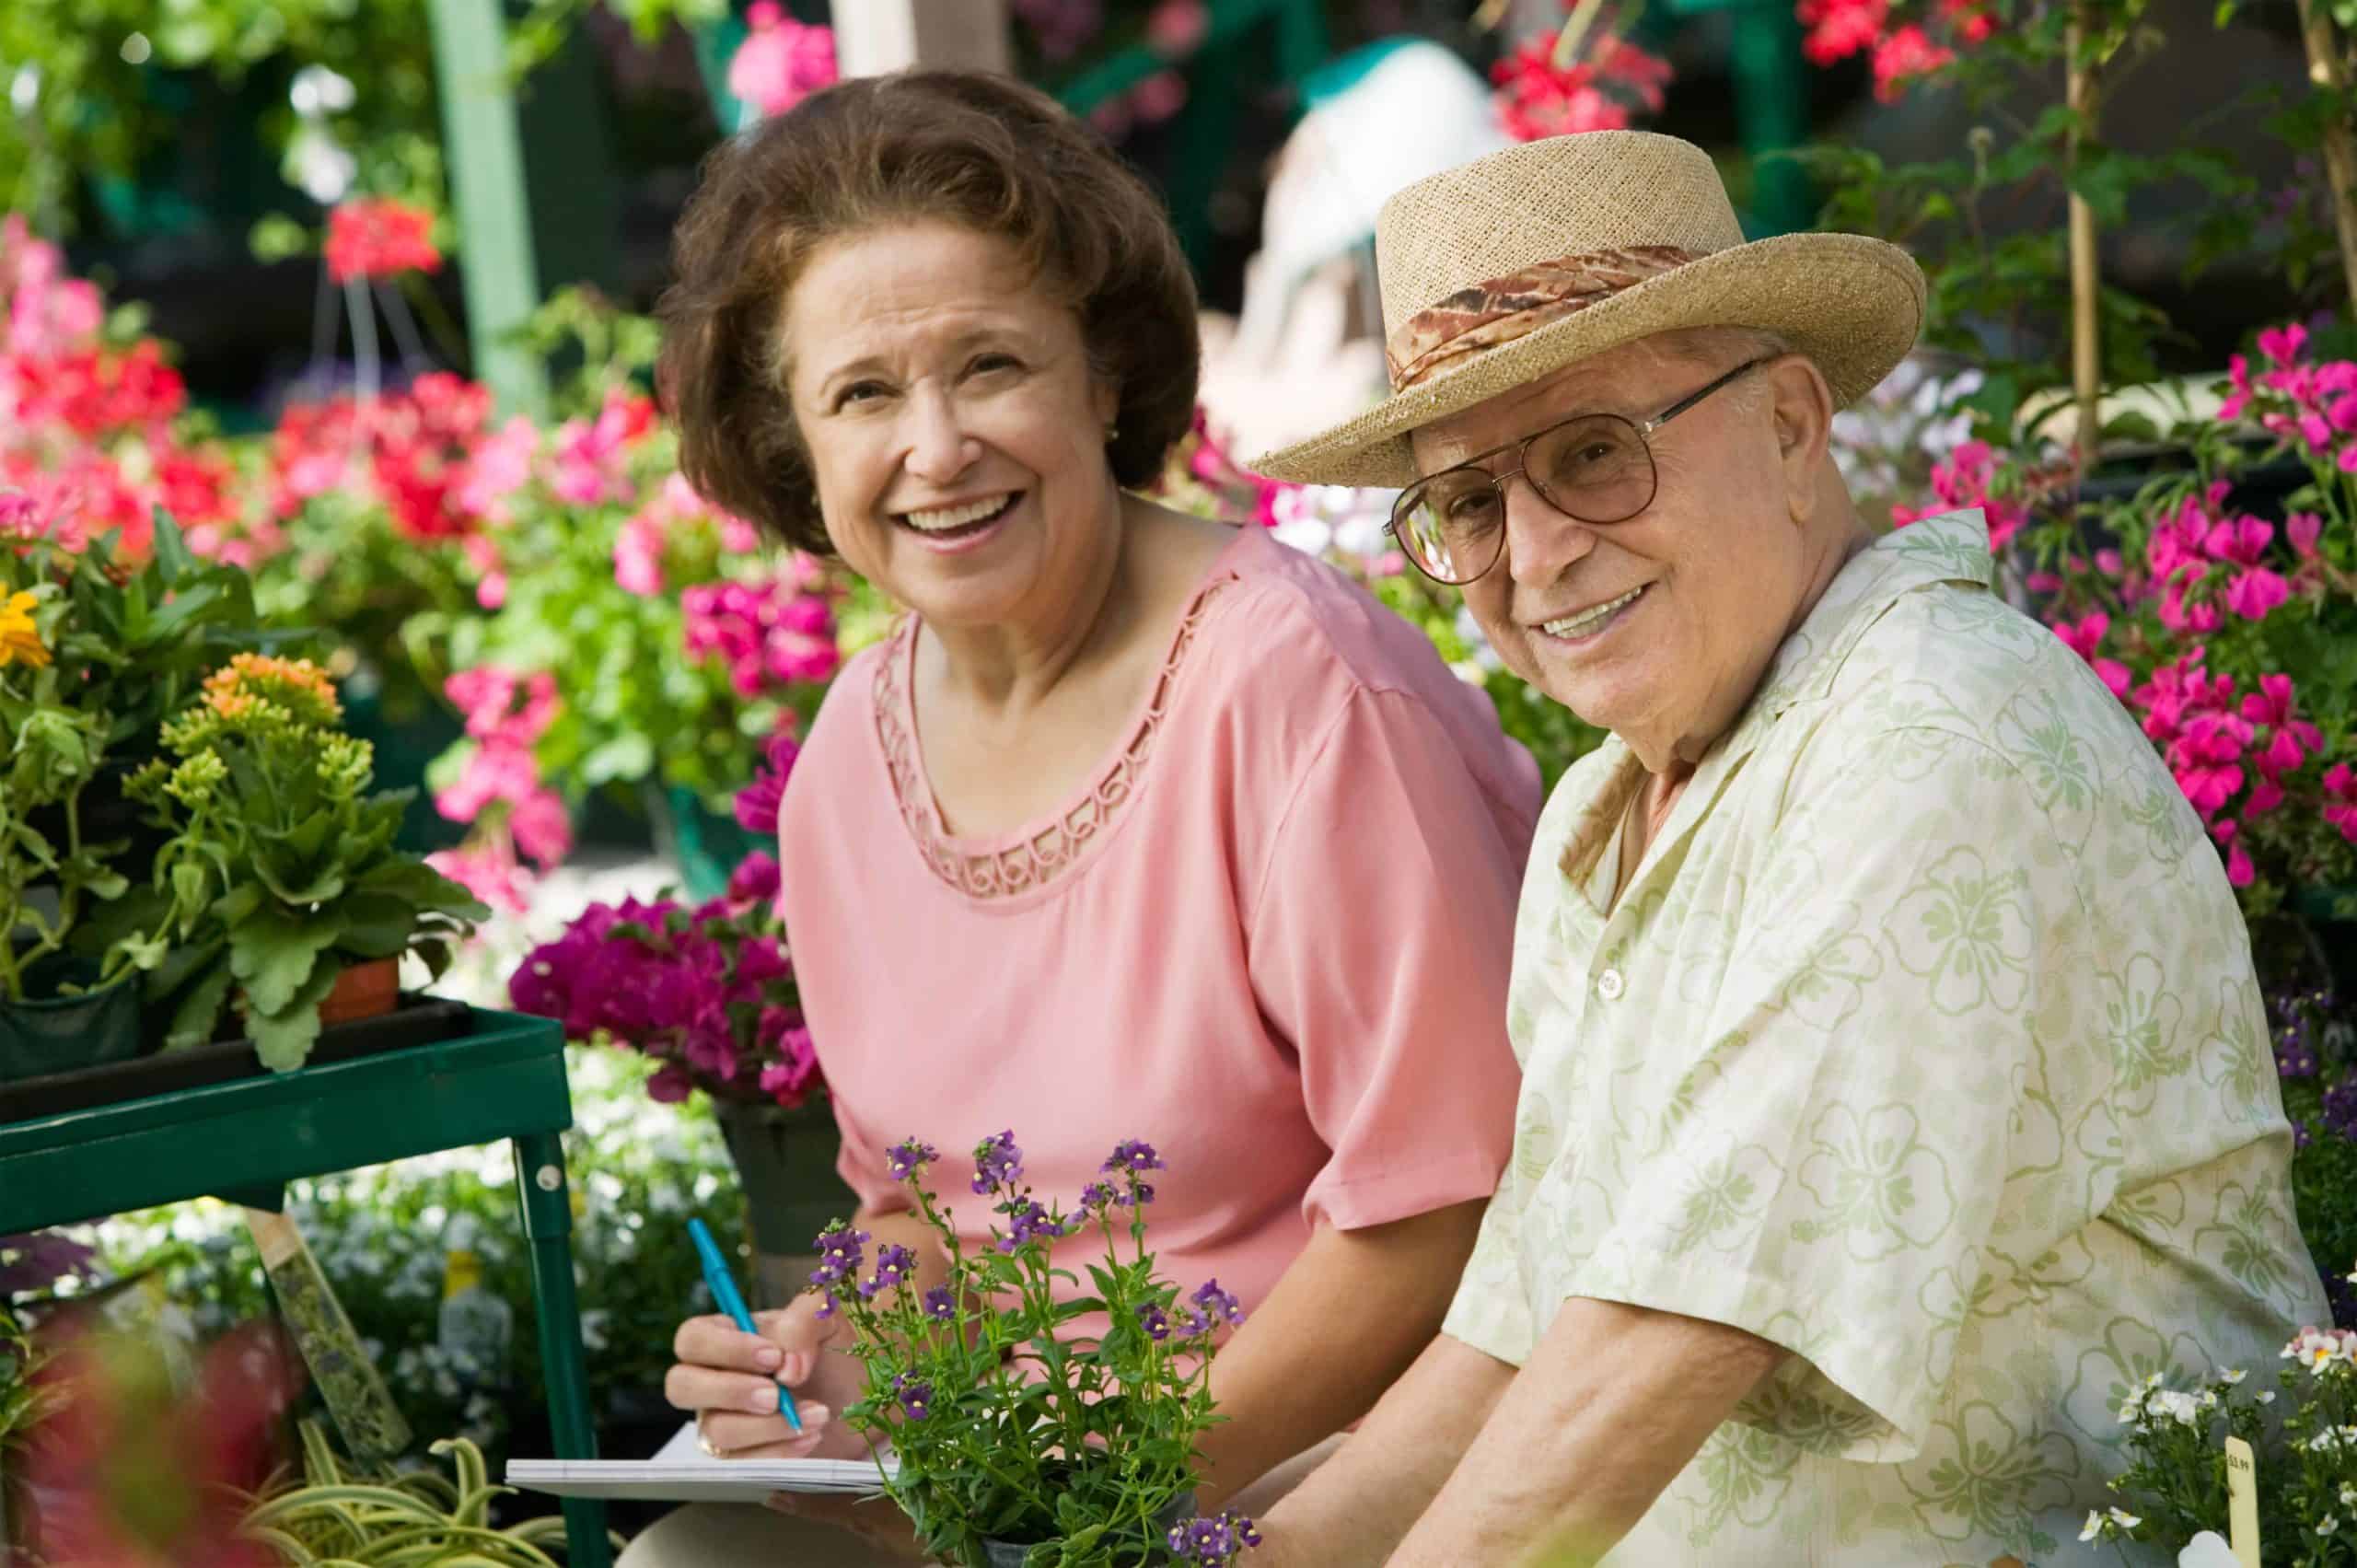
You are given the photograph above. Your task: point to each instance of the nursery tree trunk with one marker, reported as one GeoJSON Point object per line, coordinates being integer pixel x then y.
{"type": "Point", "coordinates": [2086, 283]}
{"type": "Point", "coordinates": [2330, 70]}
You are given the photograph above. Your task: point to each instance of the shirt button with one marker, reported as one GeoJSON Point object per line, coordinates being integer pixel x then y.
{"type": "Point", "coordinates": [1610, 985]}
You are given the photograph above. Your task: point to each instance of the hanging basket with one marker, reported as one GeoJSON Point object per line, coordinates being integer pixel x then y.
{"type": "Point", "coordinates": [785, 1162]}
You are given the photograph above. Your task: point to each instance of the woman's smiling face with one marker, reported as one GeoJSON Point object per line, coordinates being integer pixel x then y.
{"type": "Point", "coordinates": [955, 428]}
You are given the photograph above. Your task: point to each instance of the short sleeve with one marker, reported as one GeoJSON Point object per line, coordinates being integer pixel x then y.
{"type": "Point", "coordinates": [1834, 1173]}
{"type": "Point", "coordinates": [1380, 939]}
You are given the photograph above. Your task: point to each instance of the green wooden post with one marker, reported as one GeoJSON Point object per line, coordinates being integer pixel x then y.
{"type": "Point", "coordinates": [486, 164]}
{"type": "Point", "coordinates": [1771, 106]}
{"type": "Point", "coordinates": [548, 1223]}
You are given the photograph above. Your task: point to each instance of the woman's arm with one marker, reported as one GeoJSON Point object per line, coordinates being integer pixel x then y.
{"type": "Point", "coordinates": [1345, 1320]}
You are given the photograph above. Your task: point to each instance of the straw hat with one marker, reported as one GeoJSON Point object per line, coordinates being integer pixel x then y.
{"type": "Point", "coordinates": [1511, 266]}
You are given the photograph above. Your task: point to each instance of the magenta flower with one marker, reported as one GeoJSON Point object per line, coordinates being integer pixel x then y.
{"type": "Point", "coordinates": [757, 804]}
{"type": "Point", "coordinates": [782, 62]}
{"type": "Point", "coordinates": [2340, 800]}
{"type": "Point", "coordinates": [754, 883]}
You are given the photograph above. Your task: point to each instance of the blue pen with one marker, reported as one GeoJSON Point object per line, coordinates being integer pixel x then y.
{"type": "Point", "coordinates": [723, 1295]}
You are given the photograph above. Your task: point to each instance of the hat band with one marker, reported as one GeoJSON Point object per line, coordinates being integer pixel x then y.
{"type": "Point", "coordinates": [1502, 309]}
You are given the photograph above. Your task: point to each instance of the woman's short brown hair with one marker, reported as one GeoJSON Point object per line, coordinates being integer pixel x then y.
{"type": "Point", "coordinates": [984, 152]}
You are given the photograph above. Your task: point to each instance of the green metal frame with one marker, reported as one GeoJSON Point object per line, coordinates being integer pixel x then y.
{"type": "Point", "coordinates": [245, 1141]}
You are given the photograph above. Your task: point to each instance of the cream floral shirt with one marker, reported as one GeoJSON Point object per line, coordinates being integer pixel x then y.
{"type": "Point", "coordinates": [1924, 1043]}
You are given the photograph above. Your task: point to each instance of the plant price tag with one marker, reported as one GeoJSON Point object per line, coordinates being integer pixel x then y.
{"type": "Point", "coordinates": [2242, 1502]}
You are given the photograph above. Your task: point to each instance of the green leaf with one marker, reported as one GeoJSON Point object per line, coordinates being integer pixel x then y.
{"type": "Point", "coordinates": [198, 1015]}
{"type": "Point", "coordinates": [376, 925]}
{"type": "Point", "coordinates": [171, 551]}
{"type": "Point", "coordinates": [275, 955]}
{"type": "Point", "coordinates": [282, 1038]}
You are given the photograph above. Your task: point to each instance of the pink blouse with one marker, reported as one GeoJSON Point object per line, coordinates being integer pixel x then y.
{"type": "Point", "coordinates": [1271, 938]}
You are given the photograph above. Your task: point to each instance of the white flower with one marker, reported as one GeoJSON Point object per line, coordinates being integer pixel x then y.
{"type": "Point", "coordinates": [2349, 1497]}
{"type": "Point", "coordinates": [2267, 1396]}
{"type": "Point", "coordinates": [2233, 1376]}
{"type": "Point", "coordinates": [2092, 1528]}
{"type": "Point", "coordinates": [2328, 1523]}
{"type": "Point", "coordinates": [2178, 1407]}
{"type": "Point", "coordinates": [2125, 1520]}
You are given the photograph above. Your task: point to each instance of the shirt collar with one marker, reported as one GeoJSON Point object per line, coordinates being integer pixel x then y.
{"type": "Point", "coordinates": [1951, 547]}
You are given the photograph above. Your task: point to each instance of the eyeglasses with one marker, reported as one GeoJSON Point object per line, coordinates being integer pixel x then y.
{"type": "Point", "coordinates": [1593, 468]}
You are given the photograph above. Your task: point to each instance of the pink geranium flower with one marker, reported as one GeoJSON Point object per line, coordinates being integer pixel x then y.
{"type": "Point", "coordinates": [781, 62]}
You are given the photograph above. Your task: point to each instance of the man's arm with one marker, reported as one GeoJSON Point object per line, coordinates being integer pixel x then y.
{"type": "Point", "coordinates": [1355, 1507]}
{"type": "Point", "coordinates": [1566, 1457]}
{"type": "Point", "coordinates": [1347, 1317]}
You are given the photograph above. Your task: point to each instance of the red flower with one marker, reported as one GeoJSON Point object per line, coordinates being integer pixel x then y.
{"type": "Point", "coordinates": [1537, 98]}
{"type": "Point", "coordinates": [375, 237]}
{"type": "Point", "coordinates": [123, 1483]}
{"type": "Point", "coordinates": [1838, 29]}
{"type": "Point", "coordinates": [1907, 52]}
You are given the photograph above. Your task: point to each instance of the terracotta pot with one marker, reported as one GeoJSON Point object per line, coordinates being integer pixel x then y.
{"type": "Point", "coordinates": [363, 990]}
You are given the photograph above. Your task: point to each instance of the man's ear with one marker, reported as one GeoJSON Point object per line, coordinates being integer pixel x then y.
{"type": "Point", "coordinates": [1801, 406]}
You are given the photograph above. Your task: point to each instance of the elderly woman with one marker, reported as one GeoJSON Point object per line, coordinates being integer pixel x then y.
{"type": "Point", "coordinates": [1141, 825]}
{"type": "Point", "coordinates": [1896, 1092]}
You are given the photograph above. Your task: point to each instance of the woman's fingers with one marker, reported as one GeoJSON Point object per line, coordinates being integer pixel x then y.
{"type": "Point", "coordinates": [799, 1334]}
{"type": "Point", "coordinates": [704, 1388]}
{"type": "Point", "coordinates": [764, 1437]}
{"type": "Point", "coordinates": [713, 1341]}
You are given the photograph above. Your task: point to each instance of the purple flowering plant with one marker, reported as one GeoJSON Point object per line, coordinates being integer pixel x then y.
{"type": "Point", "coordinates": [707, 989]}
{"type": "Point", "coordinates": [1069, 1425]}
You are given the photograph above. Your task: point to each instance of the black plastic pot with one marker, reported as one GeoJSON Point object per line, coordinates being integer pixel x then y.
{"type": "Point", "coordinates": [51, 1034]}
{"type": "Point", "coordinates": [419, 1020]}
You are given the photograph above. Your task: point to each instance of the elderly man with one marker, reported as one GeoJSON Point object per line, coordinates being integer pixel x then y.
{"type": "Point", "coordinates": [1897, 1092]}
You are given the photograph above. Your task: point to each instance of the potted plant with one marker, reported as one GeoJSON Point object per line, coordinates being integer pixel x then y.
{"type": "Point", "coordinates": [1025, 1429]}
{"type": "Point", "coordinates": [96, 646]}
{"type": "Point", "coordinates": [279, 893]}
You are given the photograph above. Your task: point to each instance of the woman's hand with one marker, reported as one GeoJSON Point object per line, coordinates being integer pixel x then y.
{"type": "Point", "coordinates": [729, 1380]}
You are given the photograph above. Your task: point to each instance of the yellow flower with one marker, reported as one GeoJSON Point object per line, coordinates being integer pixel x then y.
{"type": "Point", "coordinates": [19, 638]}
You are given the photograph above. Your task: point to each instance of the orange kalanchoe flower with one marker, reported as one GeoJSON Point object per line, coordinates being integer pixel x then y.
{"type": "Point", "coordinates": [298, 684]}
{"type": "Point", "coordinates": [19, 638]}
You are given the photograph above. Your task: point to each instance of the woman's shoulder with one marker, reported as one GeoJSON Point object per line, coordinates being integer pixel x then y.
{"type": "Point", "coordinates": [1290, 627]}
{"type": "Point", "coordinates": [1285, 643]}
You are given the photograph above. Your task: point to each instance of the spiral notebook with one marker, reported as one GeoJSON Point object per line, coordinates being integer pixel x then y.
{"type": "Point", "coordinates": [683, 1473]}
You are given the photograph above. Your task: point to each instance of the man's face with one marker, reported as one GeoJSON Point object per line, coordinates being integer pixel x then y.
{"type": "Point", "coordinates": [1659, 626]}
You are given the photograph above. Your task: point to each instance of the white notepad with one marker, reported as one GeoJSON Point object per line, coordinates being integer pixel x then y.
{"type": "Point", "coordinates": [685, 1473]}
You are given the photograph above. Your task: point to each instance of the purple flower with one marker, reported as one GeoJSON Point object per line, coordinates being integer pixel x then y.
{"type": "Point", "coordinates": [1141, 1193]}
{"type": "Point", "coordinates": [1131, 1154]}
{"type": "Point", "coordinates": [908, 1156]}
{"type": "Point", "coordinates": [1028, 1222]}
{"type": "Point", "coordinates": [839, 1250]}
{"type": "Point", "coordinates": [1212, 1542]}
{"type": "Point", "coordinates": [1099, 1196]}
{"type": "Point", "coordinates": [2301, 1136]}
{"type": "Point", "coordinates": [2340, 1108]}
{"type": "Point", "coordinates": [997, 1161]}
{"type": "Point", "coordinates": [1216, 1303]}
{"type": "Point", "coordinates": [894, 1264]}
{"type": "Point", "coordinates": [939, 1304]}
{"type": "Point", "coordinates": [1154, 1321]}
{"type": "Point", "coordinates": [915, 1396]}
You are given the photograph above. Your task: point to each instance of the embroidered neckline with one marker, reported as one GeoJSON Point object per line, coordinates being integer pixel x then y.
{"type": "Point", "coordinates": [1049, 849]}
